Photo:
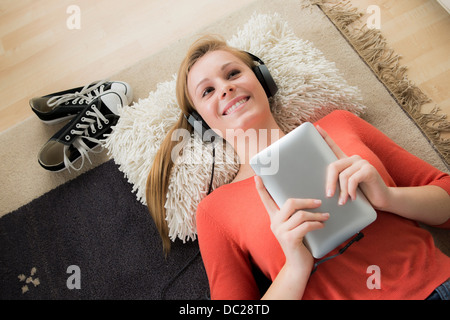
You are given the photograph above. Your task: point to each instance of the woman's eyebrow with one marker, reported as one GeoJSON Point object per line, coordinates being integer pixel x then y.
{"type": "Point", "coordinates": [224, 66]}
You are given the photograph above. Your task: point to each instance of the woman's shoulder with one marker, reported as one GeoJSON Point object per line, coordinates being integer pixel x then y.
{"type": "Point", "coordinates": [218, 204]}
{"type": "Point", "coordinates": [342, 115]}
{"type": "Point", "coordinates": [343, 122]}
{"type": "Point", "coordinates": [226, 192]}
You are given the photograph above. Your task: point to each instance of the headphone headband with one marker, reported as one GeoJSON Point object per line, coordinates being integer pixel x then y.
{"type": "Point", "coordinates": [264, 77]}
{"type": "Point", "coordinates": [255, 58]}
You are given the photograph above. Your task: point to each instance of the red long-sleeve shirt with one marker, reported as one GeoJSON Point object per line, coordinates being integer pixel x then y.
{"type": "Point", "coordinates": [235, 237]}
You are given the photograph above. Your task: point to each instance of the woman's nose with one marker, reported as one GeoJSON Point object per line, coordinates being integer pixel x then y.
{"type": "Point", "coordinates": [227, 89]}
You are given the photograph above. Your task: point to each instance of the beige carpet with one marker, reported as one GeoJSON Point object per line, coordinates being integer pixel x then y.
{"type": "Point", "coordinates": [24, 180]}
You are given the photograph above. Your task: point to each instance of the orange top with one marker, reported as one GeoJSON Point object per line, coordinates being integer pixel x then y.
{"type": "Point", "coordinates": [235, 237]}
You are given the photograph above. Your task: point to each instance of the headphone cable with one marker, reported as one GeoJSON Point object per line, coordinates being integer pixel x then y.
{"type": "Point", "coordinates": [358, 237]}
{"type": "Point", "coordinates": [212, 171]}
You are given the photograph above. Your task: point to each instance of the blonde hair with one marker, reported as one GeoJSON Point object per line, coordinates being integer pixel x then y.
{"type": "Point", "coordinates": [158, 178]}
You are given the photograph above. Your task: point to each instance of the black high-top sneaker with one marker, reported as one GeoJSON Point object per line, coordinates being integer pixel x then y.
{"type": "Point", "coordinates": [64, 105]}
{"type": "Point", "coordinates": [83, 133]}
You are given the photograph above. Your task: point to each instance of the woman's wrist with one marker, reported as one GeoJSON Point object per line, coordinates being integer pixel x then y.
{"type": "Point", "coordinates": [388, 202]}
{"type": "Point", "coordinates": [300, 263]}
{"type": "Point", "coordinates": [291, 281]}
{"type": "Point", "coordinates": [289, 284]}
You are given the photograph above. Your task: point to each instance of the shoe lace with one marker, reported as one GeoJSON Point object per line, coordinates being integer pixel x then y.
{"type": "Point", "coordinates": [86, 94]}
{"type": "Point", "coordinates": [91, 118]}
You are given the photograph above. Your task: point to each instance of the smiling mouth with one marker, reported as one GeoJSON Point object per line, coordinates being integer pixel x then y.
{"type": "Point", "coordinates": [235, 106]}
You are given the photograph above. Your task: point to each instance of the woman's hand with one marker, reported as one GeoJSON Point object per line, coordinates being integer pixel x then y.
{"type": "Point", "coordinates": [291, 223]}
{"type": "Point", "coordinates": [351, 172]}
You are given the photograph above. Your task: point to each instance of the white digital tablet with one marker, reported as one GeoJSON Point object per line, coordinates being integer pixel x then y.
{"type": "Point", "coordinates": [295, 167]}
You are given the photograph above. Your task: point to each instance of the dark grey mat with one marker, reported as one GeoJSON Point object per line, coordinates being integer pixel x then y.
{"type": "Point", "coordinates": [93, 222]}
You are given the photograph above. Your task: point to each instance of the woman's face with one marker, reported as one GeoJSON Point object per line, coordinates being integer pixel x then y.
{"type": "Point", "coordinates": [227, 94]}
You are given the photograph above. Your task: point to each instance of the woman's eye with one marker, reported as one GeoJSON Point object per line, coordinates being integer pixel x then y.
{"type": "Point", "coordinates": [207, 91]}
{"type": "Point", "coordinates": [233, 73]}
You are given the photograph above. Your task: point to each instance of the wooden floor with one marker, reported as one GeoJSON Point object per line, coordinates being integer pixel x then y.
{"type": "Point", "coordinates": [40, 54]}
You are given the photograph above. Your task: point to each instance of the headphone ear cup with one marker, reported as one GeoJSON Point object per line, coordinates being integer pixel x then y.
{"type": "Point", "coordinates": [201, 127]}
{"type": "Point", "coordinates": [265, 78]}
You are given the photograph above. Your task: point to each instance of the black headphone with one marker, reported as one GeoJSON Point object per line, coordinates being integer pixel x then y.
{"type": "Point", "coordinates": [264, 77]}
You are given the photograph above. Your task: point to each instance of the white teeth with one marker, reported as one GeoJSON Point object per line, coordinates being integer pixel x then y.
{"type": "Point", "coordinates": [237, 104]}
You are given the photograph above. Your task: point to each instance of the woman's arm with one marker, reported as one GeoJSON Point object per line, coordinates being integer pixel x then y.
{"type": "Point", "coordinates": [412, 202]}
{"type": "Point", "coordinates": [408, 202]}
{"type": "Point", "coordinates": [289, 224]}
{"type": "Point", "coordinates": [227, 266]}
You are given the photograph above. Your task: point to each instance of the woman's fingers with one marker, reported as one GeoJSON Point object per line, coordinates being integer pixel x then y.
{"type": "Point", "coordinates": [292, 214]}
{"type": "Point", "coordinates": [291, 206]}
{"type": "Point", "coordinates": [288, 208]}
{"type": "Point", "coordinates": [338, 170]}
{"type": "Point", "coordinates": [346, 172]}
{"type": "Point", "coordinates": [349, 179]}
{"type": "Point", "coordinates": [301, 230]}
{"type": "Point", "coordinates": [302, 217]}
{"type": "Point", "coordinates": [297, 225]}
{"type": "Point", "coordinates": [333, 174]}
